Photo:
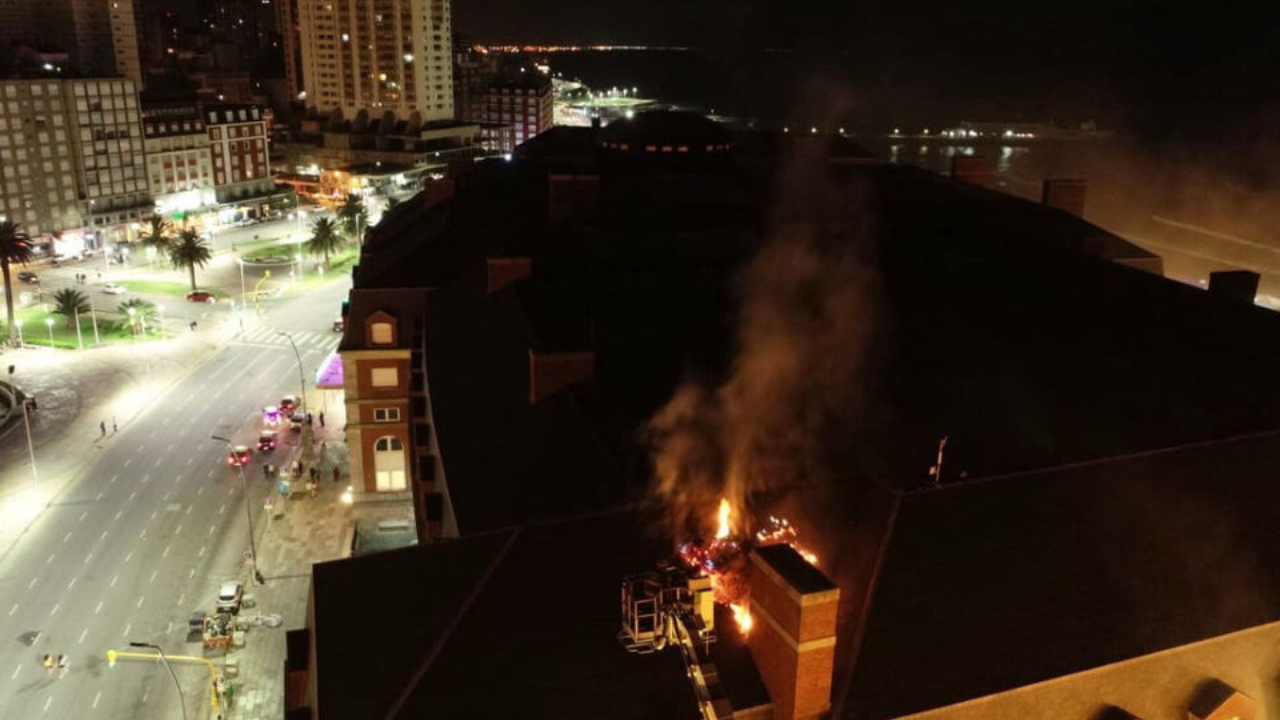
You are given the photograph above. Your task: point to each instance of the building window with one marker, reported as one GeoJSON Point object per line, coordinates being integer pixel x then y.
{"type": "Point", "coordinates": [386, 414]}
{"type": "Point", "coordinates": [381, 334]}
{"type": "Point", "coordinates": [388, 464]}
{"type": "Point", "coordinates": [384, 377]}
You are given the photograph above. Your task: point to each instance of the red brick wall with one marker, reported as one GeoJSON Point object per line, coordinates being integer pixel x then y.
{"type": "Point", "coordinates": [369, 437]}
{"type": "Point", "coordinates": [551, 372]}
{"type": "Point", "coordinates": [776, 662]}
{"type": "Point", "coordinates": [364, 381]}
{"type": "Point", "coordinates": [1065, 195]}
{"type": "Point", "coordinates": [505, 270]}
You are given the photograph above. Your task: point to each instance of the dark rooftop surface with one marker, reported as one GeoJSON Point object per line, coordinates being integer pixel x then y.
{"type": "Point", "coordinates": [993, 585]}
{"type": "Point", "coordinates": [536, 638]}
{"type": "Point", "coordinates": [794, 569]}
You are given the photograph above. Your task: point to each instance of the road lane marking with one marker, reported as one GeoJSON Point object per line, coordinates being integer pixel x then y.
{"type": "Point", "coordinates": [192, 572]}
{"type": "Point", "coordinates": [103, 536]}
{"type": "Point", "coordinates": [212, 528]}
{"type": "Point", "coordinates": [51, 557]}
{"type": "Point", "coordinates": [99, 497]}
{"type": "Point", "coordinates": [170, 448]}
{"type": "Point", "coordinates": [96, 698]}
{"type": "Point", "coordinates": [83, 515]}
{"type": "Point", "coordinates": [190, 460]}
{"type": "Point", "coordinates": [143, 535]}
{"type": "Point", "coordinates": [222, 509]}
{"type": "Point", "coordinates": [13, 609]}
{"type": "Point", "coordinates": [153, 575]}
{"type": "Point", "coordinates": [82, 634]}
{"type": "Point", "coordinates": [154, 513]}
{"type": "Point", "coordinates": [144, 447]}
{"type": "Point", "coordinates": [181, 597]}
{"type": "Point", "coordinates": [210, 474]}
{"type": "Point", "coordinates": [88, 558]}
{"type": "Point", "coordinates": [189, 509]}
{"type": "Point", "coordinates": [169, 629]}
{"type": "Point", "coordinates": [178, 479]}
{"type": "Point", "coordinates": [200, 490]}
{"type": "Point", "coordinates": [127, 628]}
{"type": "Point", "coordinates": [114, 579]}
{"type": "Point", "coordinates": [128, 557]}
{"type": "Point", "coordinates": [132, 495]}
{"type": "Point", "coordinates": [113, 479]}
{"type": "Point", "coordinates": [33, 582]}
{"type": "Point", "coordinates": [159, 460]}
{"type": "Point", "coordinates": [118, 514]}
{"type": "Point", "coordinates": [146, 477]}
{"type": "Point", "coordinates": [68, 535]}
{"type": "Point", "coordinates": [140, 599]}
{"type": "Point", "coordinates": [47, 701]}
{"type": "Point", "coordinates": [127, 461]}
{"type": "Point", "coordinates": [145, 695]}
{"type": "Point", "coordinates": [98, 609]}
{"type": "Point", "coordinates": [166, 496]}
{"type": "Point", "coordinates": [16, 670]}
{"type": "Point", "coordinates": [72, 583]}
{"type": "Point", "coordinates": [201, 553]}
{"type": "Point", "coordinates": [54, 611]}
{"type": "Point", "coordinates": [165, 554]}
{"type": "Point", "coordinates": [178, 531]}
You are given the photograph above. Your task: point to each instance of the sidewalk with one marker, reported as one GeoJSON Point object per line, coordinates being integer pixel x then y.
{"type": "Point", "coordinates": [299, 533]}
{"type": "Point", "coordinates": [77, 390]}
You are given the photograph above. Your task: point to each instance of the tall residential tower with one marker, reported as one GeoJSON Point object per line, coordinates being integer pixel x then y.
{"type": "Point", "coordinates": [378, 56]}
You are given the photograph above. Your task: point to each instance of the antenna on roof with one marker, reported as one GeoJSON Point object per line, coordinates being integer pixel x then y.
{"type": "Point", "coordinates": [935, 471]}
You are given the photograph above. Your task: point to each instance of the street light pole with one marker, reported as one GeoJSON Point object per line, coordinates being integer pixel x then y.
{"type": "Point", "coordinates": [31, 448]}
{"type": "Point", "coordinates": [167, 666]}
{"type": "Point", "coordinates": [93, 315]}
{"type": "Point", "coordinates": [18, 324]}
{"type": "Point", "coordinates": [79, 338]}
{"type": "Point", "coordinates": [48, 322]}
{"type": "Point", "coordinates": [244, 490]}
{"type": "Point", "coordinates": [302, 377]}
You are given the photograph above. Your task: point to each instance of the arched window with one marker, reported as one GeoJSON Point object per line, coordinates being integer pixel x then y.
{"type": "Point", "coordinates": [389, 464]}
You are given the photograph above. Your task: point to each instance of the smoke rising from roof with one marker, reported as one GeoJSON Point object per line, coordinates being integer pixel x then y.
{"type": "Point", "coordinates": [806, 308]}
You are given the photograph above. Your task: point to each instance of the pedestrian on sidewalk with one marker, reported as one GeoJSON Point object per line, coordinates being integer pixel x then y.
{"type": "Point", "coordinates": [34, 405]}
{"type": "Point", "coordinates": [312, 487]}
{"type": "Point", "coordinates": [62, 665]}
{"type": "Point", "coordinates": [321, 418]}
{"type": "Point", "coordinates": [114, 428]}
{"type": "Point", "coordinates": [103, 427]}
{"type": "Point", "coordinates": [47, 662]}
{"type": "Point", "coordinates": [337, 473]}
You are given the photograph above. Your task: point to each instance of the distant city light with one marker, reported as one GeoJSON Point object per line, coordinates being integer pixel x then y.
{"type": "Point", "coordinates": [408, 57]}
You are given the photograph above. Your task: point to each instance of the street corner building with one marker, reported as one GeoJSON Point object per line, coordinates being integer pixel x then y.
{"type": "Point", "coordinates": [1094, 539]}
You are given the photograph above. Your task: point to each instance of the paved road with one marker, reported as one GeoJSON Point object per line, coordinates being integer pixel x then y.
{"type": "Point", "coordinates": [126, 552]}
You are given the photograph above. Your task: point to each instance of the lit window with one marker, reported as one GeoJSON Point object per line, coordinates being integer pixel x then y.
{"type": "Point", "coordinates": [380, 334]}
{"type": "Point", "coordinates": [384, 377]}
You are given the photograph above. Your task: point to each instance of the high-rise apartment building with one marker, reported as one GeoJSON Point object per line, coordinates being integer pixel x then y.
{"type": "Point", "coordinates": [71, 155]}
{"type": "Point", "coordinates": [179, 164]}
{"type": "Point", "coordinates": [100, 37]}
{"type": "Point", "coordinates": [123, 16]}
{"type": "Point", "coordinates": [377, 56]}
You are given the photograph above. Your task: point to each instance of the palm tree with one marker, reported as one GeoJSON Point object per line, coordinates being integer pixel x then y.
{"type": "Point", "coordinates": [324, 239]}
{"type": "Point", "coordinates": [353, 215]}
{"type": "Point", "coordinates": [142, 311]}
{"type": "Point", "coordinates": [190, 251]}
{"type": "Point", "coordinates": [158, 235]}
{"type": "Point", "coordinates": [15, 247]}
{"type": "Point", "coordinates": [70, 303]}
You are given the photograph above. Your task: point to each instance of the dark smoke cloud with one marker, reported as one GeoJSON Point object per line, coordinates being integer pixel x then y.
{"type": "Point", "coordinates": [806, 310]}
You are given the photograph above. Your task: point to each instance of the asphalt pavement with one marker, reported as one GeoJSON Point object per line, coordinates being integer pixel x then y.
{"type": "Point", "coordinates": [145, 536]}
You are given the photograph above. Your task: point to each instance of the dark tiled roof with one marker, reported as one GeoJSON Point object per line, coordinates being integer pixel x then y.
{"type": "Point", "coordinates": [533, 638]}
{"type": "Point", "coordinates": [994, 585]}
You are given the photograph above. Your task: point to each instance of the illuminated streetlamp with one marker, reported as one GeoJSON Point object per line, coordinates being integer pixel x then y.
{"type": "Point", "coordinates": [48, 322]}
{"type": "Point", "coordinates": [244, 490]}
{"type": "Point", "coordinates": [18, 324]}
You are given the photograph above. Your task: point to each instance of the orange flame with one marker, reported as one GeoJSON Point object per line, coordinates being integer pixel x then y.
{"type": "Point", "coordinates": [725, 509]}
{"type": "Point", "coordinates": [742, 616]}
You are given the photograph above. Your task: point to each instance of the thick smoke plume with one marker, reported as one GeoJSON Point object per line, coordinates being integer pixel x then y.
{"type": "Point", "coordinates": [805, 313]}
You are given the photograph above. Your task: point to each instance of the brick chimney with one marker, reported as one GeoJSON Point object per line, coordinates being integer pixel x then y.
{"type": "Point", "coordinates": [793, 641]}
{"type": "Point", "coordinates": [1240, 285]}
{"type": "Point", "coordinates": [1066, 195]}
{"type": "Point", "coordinates": [552, 371]}
{"type": "Point", "coordinates": [972, 169]}
{"type": "Point", "coordinates": [505, 270]}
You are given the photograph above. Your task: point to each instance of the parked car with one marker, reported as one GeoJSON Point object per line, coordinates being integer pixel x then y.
{"type": "Point", "coordinates": [230, 595]}
{"type": "Point", "coordinates": [267, 441]}
{"type": "Point", "coordinates": [29, 278]}
{"type": "Point", "coordinates": [202, 296]}
{"type": "Point", "coordinates": [288, 404]}
{"type": "Point", "coordinates": [338, 325]}
{"type": "Point", "coordinates": [239, 455]}
{"type": "Point", "coordinates": [113, 289]}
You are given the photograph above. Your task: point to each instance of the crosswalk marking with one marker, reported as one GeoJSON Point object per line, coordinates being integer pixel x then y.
{"type": "Point", "coordinates": [306, 339]}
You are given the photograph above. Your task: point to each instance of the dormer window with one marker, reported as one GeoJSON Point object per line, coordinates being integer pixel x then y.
{"type": "Point", "coordinates": [380, 333]}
